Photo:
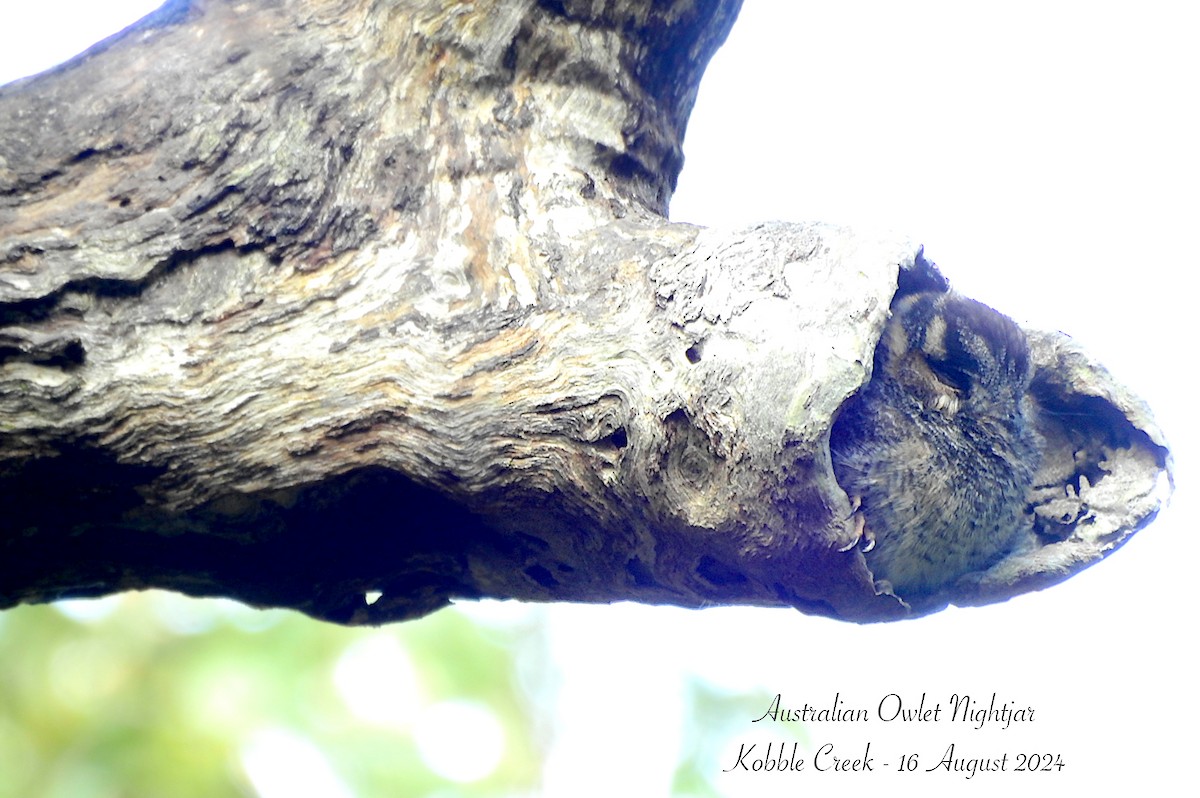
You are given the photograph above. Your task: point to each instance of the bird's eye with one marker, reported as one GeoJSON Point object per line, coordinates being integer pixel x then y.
{"type": "Point", "coordinates": [952, 374]}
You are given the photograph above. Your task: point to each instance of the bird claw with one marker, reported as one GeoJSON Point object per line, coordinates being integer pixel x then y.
{"type": "Point", "coordinates": [865, 534]}
{"type": "Point", "coordinates": [862, 535]}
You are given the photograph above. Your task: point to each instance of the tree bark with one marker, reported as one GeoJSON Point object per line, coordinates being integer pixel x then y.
{"type": "Point", "coordinates": [357, 307]}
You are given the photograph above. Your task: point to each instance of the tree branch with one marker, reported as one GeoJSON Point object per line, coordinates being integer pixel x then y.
{"type": "Point", "coordinates": [304, 301]}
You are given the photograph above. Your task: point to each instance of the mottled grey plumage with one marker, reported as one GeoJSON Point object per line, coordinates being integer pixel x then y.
{"type": "Point", "coordinates": [938, 449]}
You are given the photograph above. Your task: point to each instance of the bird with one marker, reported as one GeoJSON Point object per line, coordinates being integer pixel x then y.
{"type": "Point", "coordinates": [937, 451]}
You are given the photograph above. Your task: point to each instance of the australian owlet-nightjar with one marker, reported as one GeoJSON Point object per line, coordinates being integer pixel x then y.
{"type": "Point", "coordinates": [937, 451]}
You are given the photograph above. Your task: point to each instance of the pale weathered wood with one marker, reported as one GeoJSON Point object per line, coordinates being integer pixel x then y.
{"type": "Point", "coordinates": [305, 300]}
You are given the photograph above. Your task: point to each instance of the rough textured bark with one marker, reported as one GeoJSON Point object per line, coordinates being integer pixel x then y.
{"type": "Point", "coordinates": [306, 301]}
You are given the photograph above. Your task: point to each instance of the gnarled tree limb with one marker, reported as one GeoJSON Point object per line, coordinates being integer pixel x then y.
{"type": "Point", "coordinates": [307, 300]}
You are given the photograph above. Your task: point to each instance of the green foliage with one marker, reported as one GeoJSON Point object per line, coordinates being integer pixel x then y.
{"type": "Point", "coordinates": [167, 696]}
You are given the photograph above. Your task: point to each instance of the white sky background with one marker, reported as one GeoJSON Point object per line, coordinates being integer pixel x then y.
{"type": "Point", "coordinates": [1048, 156]}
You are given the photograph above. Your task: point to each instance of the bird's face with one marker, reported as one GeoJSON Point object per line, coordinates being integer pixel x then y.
{"type": "Point", "coordinates": [938, 450]}
{"type": "Point", "coordinates": [952, 355]}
